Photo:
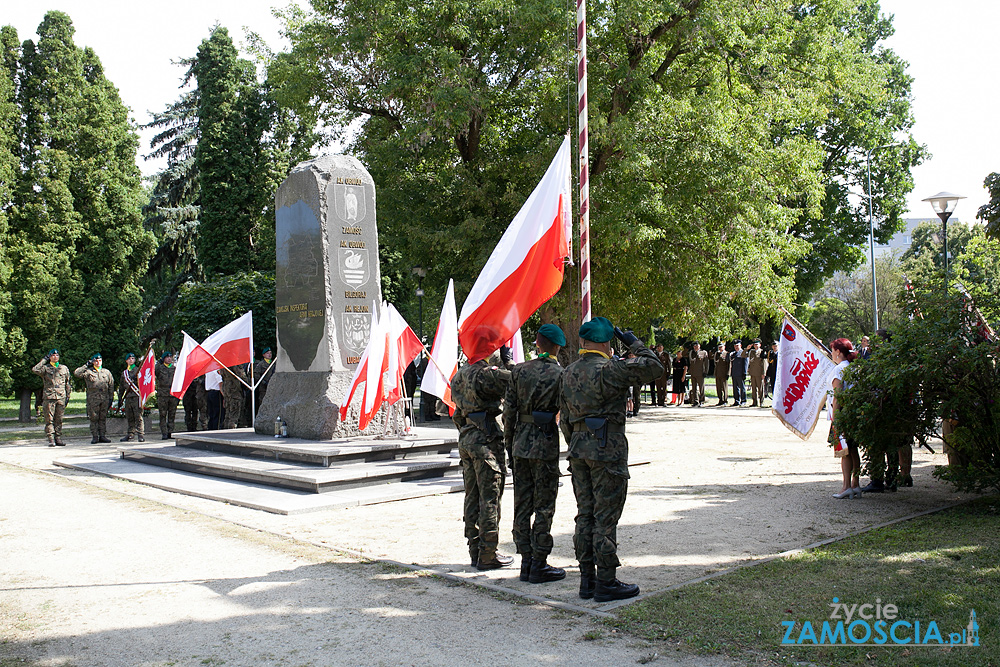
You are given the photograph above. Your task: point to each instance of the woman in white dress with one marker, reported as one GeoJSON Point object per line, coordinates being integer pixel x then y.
{"type": "Point", "coordinates": [845, 448]}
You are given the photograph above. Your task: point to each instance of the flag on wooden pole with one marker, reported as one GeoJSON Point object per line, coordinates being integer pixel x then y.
{"type": "Point", "coordinates": [802, 380]}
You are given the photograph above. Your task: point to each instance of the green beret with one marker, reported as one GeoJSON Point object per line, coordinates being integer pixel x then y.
{"type": "Point", "coordinates": [265, 350]}
{"type": "Point", "coordinates": [166, 353]}
{"type": "Point", "coordinates": [597, 330]}
{"type": "Point", "coordinates": [130, 354]}
{"type": "Point", "coordinates": [553, 333]}
{"type": "Point", "coordinates": [96, 356]}
{"type": "Point", "coordinates": [53, 351]}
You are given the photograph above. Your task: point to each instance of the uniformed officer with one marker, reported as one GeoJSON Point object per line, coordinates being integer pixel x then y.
{"type": "Point", "coordinates": [698, 368]}
{"type": "Point", "coordinates": [100, 393]}
{"type": "Point", "coordinates": [56, 390]}
{"type": "Point", "coordinates": [165, 402]}
{"type": "Point", "coordinates": [661, 382]}
{"type": "Point", "coordinates": [738, 372]}
{"type": "Point", "coordinates": [232, 393]}
{"type": "Point", "coordinates": [756, 367]}
{"type": "Point", "coordinates": [262, 376]}
{"type": "Point", "coordinates": [128, 393]}
{"type": "Point", "coordinates": [771, 375]}
{"type": "Point", "coordinates": [477, 389]}
{"type": "Point", "coordinates": [530, 432]}
{"type": "Point", "coordinates": [721, 358]}
{"type": "Point", "coordinates": [592, 418]}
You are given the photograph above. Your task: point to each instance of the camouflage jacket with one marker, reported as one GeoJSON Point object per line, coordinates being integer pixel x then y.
{"type": "Point", "coordinates": [230, 385]}
{"type": "Point", "coordinates": [100, 383]}
{"type": "Point", "coordinates": [164, 378]}
{"type": "Point", "coordinates": [594, 387]}
{"type": "Point", "coordinates": [259, 369]}
{"type": "Point", "coordinates": [129, 388]}
{"type": "Point", "coordinates": [478, 388]}
{"type": "Point", "coordinates": [56, 384]}
{"type": "Point", "coordinates": [534, 387]}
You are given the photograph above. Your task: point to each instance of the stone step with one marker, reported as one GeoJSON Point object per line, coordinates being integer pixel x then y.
{"type": "Point", "coordinates": [257, 496]}
{"type": "Point", "coordinates": [293, 475]}
{"type": "Point", "coordinates": [245, 442]}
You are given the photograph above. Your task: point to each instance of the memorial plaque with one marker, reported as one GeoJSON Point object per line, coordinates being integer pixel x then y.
{"type": "Point", "coordinates": [326, 278]}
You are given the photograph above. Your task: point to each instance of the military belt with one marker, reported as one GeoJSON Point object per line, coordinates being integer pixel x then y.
{"type": "Point", "coordinates": [529, 418]}
{"type": "Point", "coordinates": [581, 427]}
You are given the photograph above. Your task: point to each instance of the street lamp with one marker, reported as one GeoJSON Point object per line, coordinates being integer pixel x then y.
{"type": "Point", "coordinates": [871, 230]}
{"type": "Point", "coordinates": [944, 204]}
{"type": "Point", "coordinates": [420, 272]}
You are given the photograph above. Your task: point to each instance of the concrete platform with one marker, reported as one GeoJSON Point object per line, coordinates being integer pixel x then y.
{"type": "Point", "coordinates": [349, 473]}
{"type": "Point", "coordinates": [257, 496]}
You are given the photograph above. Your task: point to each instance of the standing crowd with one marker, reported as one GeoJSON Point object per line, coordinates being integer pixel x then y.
{"type": "Point", "coordinates": [219, 399]}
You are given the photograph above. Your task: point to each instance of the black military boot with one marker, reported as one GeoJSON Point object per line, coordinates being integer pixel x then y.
{"type": "Point", "coordinates": [499, 560]}
{"type": "Point", "coordinates": [127, 438]}
{"type": "Point", "coordinates": [588, 580]}
{"type": "Point", "coordinates": [103, 439]}
{"type": "Point", "coordinates": [526, 563]}
{"type": "Point", "coordinates": [141, 439]}
{"type": "Point", "coordinates": [94, 440]}
{"type": "Point", "coordinates": [607, 591]}
{"type": "Point", "coordinates": [542, 572]}
{"type": "Point", "coordinates": [874, 486]}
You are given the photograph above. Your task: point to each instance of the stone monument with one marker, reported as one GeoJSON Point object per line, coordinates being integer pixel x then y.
{"type": "Point", "coordinates": [326, 279]}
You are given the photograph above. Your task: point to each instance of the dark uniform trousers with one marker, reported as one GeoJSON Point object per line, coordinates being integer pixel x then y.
{"type": "Point", "coordinates": [536, 484]}
{"type": "Point", "coordinates": [596, 536]}
{"type": "Point", "coordinates": [483, 478]}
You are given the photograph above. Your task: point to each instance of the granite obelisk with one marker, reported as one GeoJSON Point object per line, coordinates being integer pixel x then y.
{"type": "Point", "coordinates": [326, 278]}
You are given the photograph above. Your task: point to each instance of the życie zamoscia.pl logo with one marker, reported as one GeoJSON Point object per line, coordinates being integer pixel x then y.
{"type": "Point", "coordinates": [875, 625]}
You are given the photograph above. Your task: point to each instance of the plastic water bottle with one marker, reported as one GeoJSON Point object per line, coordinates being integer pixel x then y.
{"type": "Point", "coordinates": [284, 429]}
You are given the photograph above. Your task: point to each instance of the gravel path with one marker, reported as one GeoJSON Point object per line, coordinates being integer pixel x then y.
{"type": "Point", "coordinates": [98, 571]}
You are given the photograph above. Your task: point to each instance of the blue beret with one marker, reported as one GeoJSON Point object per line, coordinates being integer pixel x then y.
{"type": "Point", "coordinates": [553, 333]}
{"type": "Point", "coordinates": [597, 330]}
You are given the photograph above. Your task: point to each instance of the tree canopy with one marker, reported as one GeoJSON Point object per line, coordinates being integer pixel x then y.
{"type": "Point", "coordinates": [725, 140]}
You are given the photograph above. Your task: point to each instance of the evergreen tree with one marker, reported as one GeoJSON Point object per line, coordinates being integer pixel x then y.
{"type": "Point", "coordinates": [78, 247]}
{"type": "Point", "coordinates": [11, 338]}
{"type": "Point", "coordinates": [233, 117]}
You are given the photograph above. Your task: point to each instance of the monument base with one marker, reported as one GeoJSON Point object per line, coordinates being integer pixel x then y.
{"type": "Point", "coordinates": [310, 404]}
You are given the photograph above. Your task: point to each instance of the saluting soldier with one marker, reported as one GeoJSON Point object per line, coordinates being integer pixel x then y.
{"type": "Point", "coordinates": [232, 393]}
{"type": "Point", "coordinates": [757, 366]}
{"type": "Point", "coordinates": [698, 369]}
{"type": "Point", "coordinates": [100, 394]}
{"type": "Point", "coordinates": [738, 372]}
{"type": "Point", "coordinates": [56, 390]}
{"type": "Point", "coordinates": [165, 402]}
{"type": "Point", "coordinates": [529, 425]}
{"type": "Point", "coordinates": [592, 419]}
{"type": "Point", "coordinates": [128, 393]}
{"type": "Point", "coordinates": [477, 389]}
{"type": "Point", "coordinates": [721, 359]}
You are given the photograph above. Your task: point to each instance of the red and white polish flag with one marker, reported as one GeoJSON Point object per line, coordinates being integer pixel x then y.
{"type": "Point", "coordinates": [444, 352]}
{"type": "Point", "coordinates": [404, 347]}
{"type": "Point", "coordinates": [378, 364]}
{"type": "Point", "coordinates": [147, 381]}
{"type": "Point", "coordinates": [802, 380]}
{"type": "Point", "coordinates": [525, 269]}
{"type": "Point", "coordinates": [230, 345]}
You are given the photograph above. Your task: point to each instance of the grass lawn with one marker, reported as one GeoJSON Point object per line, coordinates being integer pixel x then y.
{"type": "Point", "coordinates": [9, 407]}
{"type": "Point", "coordinates": [935, 568]}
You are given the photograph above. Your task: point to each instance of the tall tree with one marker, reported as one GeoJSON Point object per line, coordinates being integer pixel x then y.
{"type": "Point", "coordinates": [78, 243]}
{"type": "Point", "coordinates": [717, 131]}
{"type": "Point", "coordinates": [233, 117]}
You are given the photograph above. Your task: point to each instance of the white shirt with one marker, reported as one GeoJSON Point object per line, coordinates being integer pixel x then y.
{"type": "Point", "coordinates": [213, 381]}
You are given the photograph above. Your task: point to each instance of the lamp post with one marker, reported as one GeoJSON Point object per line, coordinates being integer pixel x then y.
{"type": "Point", "coordinates": [944, 204]}
{"type": "Point", "coordinates": [871, 230]}
{"type": "Point", "coordinates": [420, 272]}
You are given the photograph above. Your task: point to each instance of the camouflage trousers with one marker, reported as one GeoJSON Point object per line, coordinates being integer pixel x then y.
{"type": "Point", "coordinates": [133, 412]}
{"type": "Point", "coordinates": [195, 410]}
{"type": "Point", "coordinates": [536, 483]}
{"type": "Point", "coordinates": [484, 479]}
{"type": "Point", "coordinates": [53, 411]}
{"type": "Point", "coordinates": [600, 488]}
{"type": "Point", "coordinates": [97, 412]}
{"type": "Point", "coordinates": [234, 409]}
{"type": "Point", "coordinates": [168, 413]}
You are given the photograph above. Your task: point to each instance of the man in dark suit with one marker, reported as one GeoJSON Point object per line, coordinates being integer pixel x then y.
{"type": "Point", "coordinates": [738, 365]}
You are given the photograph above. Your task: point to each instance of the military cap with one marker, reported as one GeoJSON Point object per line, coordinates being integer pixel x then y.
{"type": "Point", "coordinates": [756, 340]}
{"type": "Point", "coordinates": [553, 333]}
{"type": "Point", "coordinates": [130, 354]}
{"type": "Point", "coordinates": [53, 351]}
{"type": "Point", "coordinates": [737, 342]}
{"type": "Point", "coordinates": [166, 353]}
{"type": "Point", "coordinates": [96, 356]}
{"type": "Point", "coordinates": [597, 330]}
{"type": "Point", "coordinates": [265, 350]}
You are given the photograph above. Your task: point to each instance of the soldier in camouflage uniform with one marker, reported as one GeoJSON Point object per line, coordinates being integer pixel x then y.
{"type": "Point", "coordinates": [232, 393]}
{"type": "Point", "coordinates": [56, 390]}
{"type": "Point", "coordinates": [477, 389]}
{"type": "Point", "coordinates": [128, 393]}
{"type": "Point", "coordinates": [529, 421]}
{"type": "Point", "coordinates": [261, 375]}
{"type": "Point", "coordinates": [100, 393]}
{"type": "Point", "coordinates": [592, 418]}
{"type": "Point", "coordinates": [165, 402]}
{"type": "Point", "coordinates": [196, 405]}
